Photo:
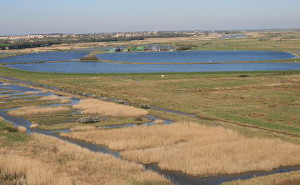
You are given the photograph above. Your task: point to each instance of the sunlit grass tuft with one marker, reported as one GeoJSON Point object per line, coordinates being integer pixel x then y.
{"type": "Point", "coordinates": [22, 129]}
{"type": "Point", "coordinates": [32, 92]}
{"type": "Point", "coordinates": [56, 98]}
{"type": "Point", "coordinates": [94, 106]}
{"type": "Point", "coordinates": [22, 170]}
{"type": "Point", "coordinates": [6, 84]}
{"type": "Point", "coordinates": [37, 110]}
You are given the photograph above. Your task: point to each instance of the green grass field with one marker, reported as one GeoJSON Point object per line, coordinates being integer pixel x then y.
{"type": "Point", "coordinates": [261, 43]}
{"type": "Point", "coordinates": [264, 99]}
{"type": "Point", "coordinates": [9, 135]}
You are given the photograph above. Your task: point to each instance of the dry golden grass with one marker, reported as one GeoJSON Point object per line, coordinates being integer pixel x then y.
{"type": "Point", "coordinates": [83, 128]}
{"type": "Point", "coordinates": [56, 98]}
{"type": "Point", "coordinates": [195, 149]}
{"type": "Point", "coordinates": [32, 92]}
{"type": "Point", "coordinates": [22, 129]}
{"type": "Point", "coordinates": [158, 121]}
{"type": "Point", "coordinates": [6, 83]}
{"type": "Point", "coordinates": [83, 166]}
{"type": "Point", "coordinates": [149, 137]}
{"type": "Point", "coordinates": [291, 178]}
{"type": "Point", "coordinates": [22, 170]}
{"type": "Point", "coordinates": [94, 106]}
{"type": "Point", "coordinates": [4, 96]}
{"type": "Point", "coordinates": [37, 110]}
{"type": "Point", "coordinates": [34, 125]}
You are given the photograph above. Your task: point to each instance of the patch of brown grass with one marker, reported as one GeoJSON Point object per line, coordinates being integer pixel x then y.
{"type": "Point", "coordinates": [291, 178]}
{"type": "Point", "coordinates": [32, 92]}
{"type": "Point", "coordinates": [149, 137]}
{"type": "Point", "coordinates": [37, 110]}
{"type": "Point", "coordinates": [158, 121]}
{"type": "Point", "coordinates": [22, 129]}
{"type": "Point", "coordinates": [56, 98]}
{"type": "Point", "coordinates": [34, 125]}
{"type": "Point", "coordinates": [83, 128]}
{"type": "Point", "coordinates": [86, 167]}
{"type": "Point", "coordinates": [195, 149]}
{"type": "Point", "coordinates": [23, 170]}
{"type": "Point", "coordinates": [4, 96]}
{"type": "Point", "coordinates": [290, 182]}
{"type": "Point", "coordinates": [6, 84]}
{"type": "Point", "coordinates": [94, 106]}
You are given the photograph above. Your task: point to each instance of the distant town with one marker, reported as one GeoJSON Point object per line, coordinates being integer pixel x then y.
{"type": "Point", "coordinates": [44, 40]}
{"type": "Point", "coordinates": [8, 42]}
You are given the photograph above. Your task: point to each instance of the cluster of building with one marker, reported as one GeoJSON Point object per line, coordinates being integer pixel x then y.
{"type": "Point", "coordinates": [35, 37]}
{"type": "Point", "coordinates": [96, 35]}
{"type": "Point", "coordinates": [135, 34]}
{"type": "Point", "coordinates": [149, 48]}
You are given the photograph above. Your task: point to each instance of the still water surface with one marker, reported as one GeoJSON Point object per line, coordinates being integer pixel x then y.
{"type": "Point", "coordinates": [196, 56]}
{"type": "Point", "coordinates": [46, 56]}
{"type": "Point", "coordinates": [99, 67]}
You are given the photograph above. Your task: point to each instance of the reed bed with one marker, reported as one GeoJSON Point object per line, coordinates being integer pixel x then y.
{"type": "Point", "coordinates": [56, 98]}
{"type": "Point", "coordinates": [291, 178]}
{"type": "Point", "coordinates": [34, 125]}
{"type": "Point", "coordinates": [158, 121]}
{"type": "Point", "coordinates": [5, 84]}
{"type": "Point", "coordinates": [32, 92]}
{"type": "Point", "coordinates": [87, 167]}
{"type": "Point", "coordinates": [195, 149]}
{"type": "Point", "coordinates": [37, 110]}
{"type": "Point", "coordinates": [22, 170]}
{"type": "Point", "coordinates": [83, 128]}
{"type": "Point", "coordinates": [22, 129]}
{"type": "Point", "coordinates": [4, 96]}
{"type": "Point", "coordinates": [94, 106]}
{"type": "Point", "coordinates": [149, 137]}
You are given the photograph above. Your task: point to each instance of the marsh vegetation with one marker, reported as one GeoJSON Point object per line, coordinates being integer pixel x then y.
{"type": "Point", "coordinates": [94, 106]}
{"type": "Point", "coordinates": [37, 110]}
{"type": "Point", "coordinates": [23, 161]}
{"type": "Point", "coordinates": [195, 149]}
{"type": "Point", "coordinates": [214, 138]}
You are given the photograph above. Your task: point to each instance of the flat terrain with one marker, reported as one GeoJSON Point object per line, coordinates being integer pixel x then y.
{"type": "Point", "coordinates": [194, 149]}
{"type": "Point", "coordinates": [245, 115]}
{"type": "Point", "coordinates": [52, 112]}
{"type": "Point", "coordinates": [22, 159]}
{"type": "Point", "coordinates": [278, 179]}
{"type": "Point", "coordinates": [263, 99]}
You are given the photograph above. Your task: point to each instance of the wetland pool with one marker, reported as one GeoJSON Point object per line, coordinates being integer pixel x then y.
{"type": "Point", "coordinates": [196, 56]}
{"type": "Point", "coordinates": [101, 67]}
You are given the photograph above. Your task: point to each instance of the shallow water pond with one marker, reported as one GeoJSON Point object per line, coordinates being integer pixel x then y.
{"type": "Point", "coordinates": [45, 56]}
{"type": "Point", "coordinates": [100, 67]}
{"type": "Point", "coordinates": [196, 56]}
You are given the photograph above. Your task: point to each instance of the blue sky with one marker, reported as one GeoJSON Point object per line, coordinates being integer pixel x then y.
{"type": "Point", "coordinates": [95, 16]}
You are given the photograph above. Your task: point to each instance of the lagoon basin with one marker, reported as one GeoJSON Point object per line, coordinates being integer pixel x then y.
{"type": "Point", "coordinates": [44, 57]}
{"type": "Point", "coordinates": [196, 56]}
{"type": "Point", "coordinates": [101, 67]}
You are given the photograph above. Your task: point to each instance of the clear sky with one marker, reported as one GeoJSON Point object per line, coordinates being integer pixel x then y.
{"type": "Point", "coordinates": [95, 16]}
